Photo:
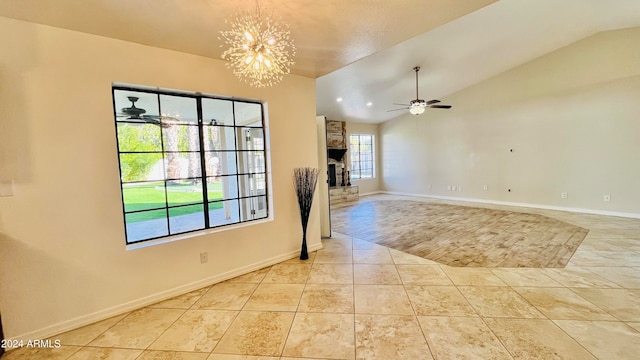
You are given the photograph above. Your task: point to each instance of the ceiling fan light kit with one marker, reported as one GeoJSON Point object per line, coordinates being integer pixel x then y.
{"type": "Point", "coordinates": [418, 106]}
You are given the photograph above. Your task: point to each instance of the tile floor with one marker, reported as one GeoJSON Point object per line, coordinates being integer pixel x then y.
{"type": "Point", "coordinates": [460, 234]}
{"type": "Point", "coordinates": [358, 300]}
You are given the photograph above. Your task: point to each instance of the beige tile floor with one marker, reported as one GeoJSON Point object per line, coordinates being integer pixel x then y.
{"type": "Point", "coordinates": [460, 234]}
{"type": "Point", "coordinates": [358, 300]}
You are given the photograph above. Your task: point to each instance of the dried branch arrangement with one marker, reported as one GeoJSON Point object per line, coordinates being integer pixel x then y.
{"type": "Point", "coordinates": [305, 180]}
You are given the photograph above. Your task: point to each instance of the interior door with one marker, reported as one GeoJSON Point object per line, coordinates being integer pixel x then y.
{"type": "Point", "coordinates": [323, 179]}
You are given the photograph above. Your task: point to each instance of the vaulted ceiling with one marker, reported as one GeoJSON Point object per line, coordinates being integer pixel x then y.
{"type": "Point", "coordinates": [361, 50]}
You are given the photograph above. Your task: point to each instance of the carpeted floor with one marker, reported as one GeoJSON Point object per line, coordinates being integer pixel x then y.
{"type": "Point", "coordinates": [461, 235]}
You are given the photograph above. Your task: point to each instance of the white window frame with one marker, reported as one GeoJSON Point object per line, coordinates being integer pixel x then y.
{"type": "Point", "coordinates": [362, 156]}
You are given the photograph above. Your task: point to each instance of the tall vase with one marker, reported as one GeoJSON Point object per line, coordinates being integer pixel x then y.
{"type": "Point", "coordinates": [305, 180]}
{"type": "Point", "coordinates": [304, 219]}
{"type": "Point", "coordinates": [304, 255]}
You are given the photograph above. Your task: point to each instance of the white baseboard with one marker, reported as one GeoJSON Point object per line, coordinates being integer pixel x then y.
{"type": "Point", "coordinates": [523, 205]}
{"type": "Point", "coordinates": [372, 193]}
{"type": "Point", "coordinates": [52, 330]}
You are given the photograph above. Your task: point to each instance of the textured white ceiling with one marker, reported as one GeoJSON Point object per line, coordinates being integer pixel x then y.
{"type": "Point", "coordinates": [328, 33]}
{"type": "Point", "coordinates": [360, 50]}
{"type": "Point", "coordinates": [464, 52]}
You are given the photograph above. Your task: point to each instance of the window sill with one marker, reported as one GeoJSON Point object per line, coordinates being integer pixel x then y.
{"type": "Point", "coordinates": [190, 235]}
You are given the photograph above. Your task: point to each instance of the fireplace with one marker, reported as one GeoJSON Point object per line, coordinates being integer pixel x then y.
{"type": "Point", "coordinates": [332, 175]}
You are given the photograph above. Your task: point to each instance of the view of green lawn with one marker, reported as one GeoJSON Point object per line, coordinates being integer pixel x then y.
{"type": "Point", "coordinates": [145, 196]}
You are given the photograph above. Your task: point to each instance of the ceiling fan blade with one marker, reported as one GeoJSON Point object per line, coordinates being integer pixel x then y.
{"type": "Point", "coordinates": [152, 119]}
{"type": "Point", "coordinates": [398, 109]}
{"type": "Point", "coordinates": [418, 104]}
{"type": "Point", "coordinates": [128, 117]}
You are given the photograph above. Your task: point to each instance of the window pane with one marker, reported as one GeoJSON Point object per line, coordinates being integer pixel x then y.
{"type": "Point", "coordinates": [213, 164]}
{"type": "Point", "coordinates": [143, 196]}
{"type": "Point", "coordinates": [141, 167]}
{"type": "Point", "coordinates": [146, 225]}
{"type": "Point", "coordinates": [178, 109]}
{"type": "Point", "coordinates": [252, 139]}
{"type": "Point", "coordinates": [181, 138]}
{"type": "Point", "coordinates": [186, 218]}
{"type": "Point", "coordinates": [251, 185]}
{"type": "Point", "coordinates": [219, 138]}
{"type": "Point", "coordinates": [251, 162]}
{"type": "Point", "coordinates": [217, 112]}
{"type": "Point", "coordinates": [254, 208]}
{"type": "Point", "coordinates": [221, 163]}
{"type": "Point", "coordinates": [184, 192]}
{"type": "Point", "coordinates": [223, 213]}
{"type": "Point", "coordinates": [222, 188]}
{"type": "Point", "coordinates": [261, 183]}
{"type": "Point", "coordinates": [182, 165]}
{"type": "Point", "coordinates": [214, 189]}
{"type": "Point", "coordinates": [127, 101]}
{"type": "Point", "coordinates": [139, 137]}
{"type": "Point", "coordinates": [248, 114]}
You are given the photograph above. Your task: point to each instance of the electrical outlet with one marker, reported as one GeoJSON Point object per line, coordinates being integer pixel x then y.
{"type": "Point", "coordinates": [563, 195]}
{"type": "Point", "coordinates": [485, 187]}
{"type": "Point", "coordinates": [606, 197]}
{"type": "Point", "coordinates": [204, 257]}
{"type": "Point", "coordinates": [449, 187]}
{"type": "Point", "coordinates": [459, 188]}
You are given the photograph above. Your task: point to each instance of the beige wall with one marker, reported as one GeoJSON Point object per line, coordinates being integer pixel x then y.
{"type": "Point", "coordinates": [63, 261]}
{"type": "Point", "coordinates": [366, 186]}
{"type": "Point", "coordinates": [572, 118]}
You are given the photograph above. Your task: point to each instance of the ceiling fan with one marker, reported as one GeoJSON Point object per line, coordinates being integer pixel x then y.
{"type": "Point", "coordinates": [418, 106]}
{"type": "Point", "coordinates": [133, 114]}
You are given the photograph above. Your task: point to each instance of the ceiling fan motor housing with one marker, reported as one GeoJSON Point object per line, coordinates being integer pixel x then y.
{"type": "Point", "coordinates": [133, 111]}
{"type": "Point", "coordinates": [418, 102]}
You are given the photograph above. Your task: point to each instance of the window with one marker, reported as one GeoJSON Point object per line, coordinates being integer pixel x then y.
{"type": "Point", "coordinates": [188, 162]}
{"type": "Point", "coordinates": [361, 155]}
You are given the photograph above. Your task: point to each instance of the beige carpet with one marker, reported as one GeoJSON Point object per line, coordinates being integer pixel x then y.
{"type": "Point", "coordinates": [460, 235]}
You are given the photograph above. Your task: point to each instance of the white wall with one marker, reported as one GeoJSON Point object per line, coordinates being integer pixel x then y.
{"type": "Point", "coordinates": [572, 118]}
{"type": "Point", "coordinates": [365, 186]}
{"type": "Point", "coordinates": [63, 261]}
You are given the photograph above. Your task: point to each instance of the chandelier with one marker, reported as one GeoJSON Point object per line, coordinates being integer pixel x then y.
{"type": "Point", "coordinates": [261, 49]}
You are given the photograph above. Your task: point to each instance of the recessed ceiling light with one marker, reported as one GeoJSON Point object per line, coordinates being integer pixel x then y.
{"type": "Point", "coordinates": [369, 104]}
{"type": "Point", "coordinates": [339, 99]}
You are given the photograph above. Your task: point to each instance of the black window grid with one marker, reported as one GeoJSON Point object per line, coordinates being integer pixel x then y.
{"type": "Point", "coordinates": [205, 203]}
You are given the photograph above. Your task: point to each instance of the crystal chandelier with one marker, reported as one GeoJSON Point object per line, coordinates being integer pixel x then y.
{"type": "Point", "coordinates": [261, 49]}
